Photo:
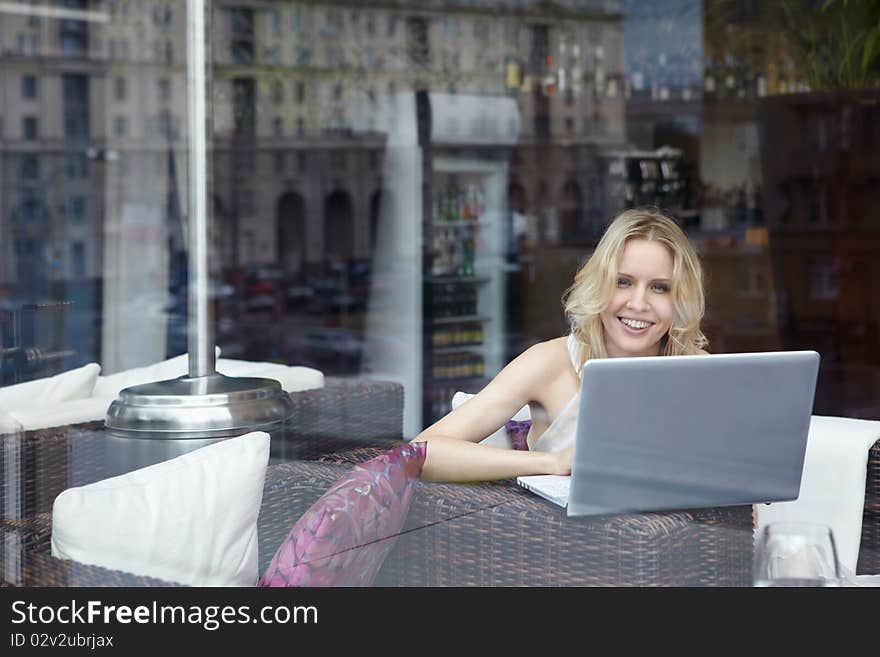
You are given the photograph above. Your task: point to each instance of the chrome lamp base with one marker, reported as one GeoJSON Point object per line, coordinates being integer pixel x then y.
{"type": "Point", "coordinates": [206, 407]}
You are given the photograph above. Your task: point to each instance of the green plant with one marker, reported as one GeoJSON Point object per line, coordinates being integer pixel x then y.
{"type": "Point", "coordinates": [837, 42]}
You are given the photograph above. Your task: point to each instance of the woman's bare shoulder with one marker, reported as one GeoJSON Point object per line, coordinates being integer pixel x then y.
{"type": "Point", "coordinates": [548, 351]}
{"type": "Point", "coordinates": [547, 358]}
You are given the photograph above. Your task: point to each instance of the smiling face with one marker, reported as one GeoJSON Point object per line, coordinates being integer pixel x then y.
{"type": "Point", "coordinates": [641, 309]}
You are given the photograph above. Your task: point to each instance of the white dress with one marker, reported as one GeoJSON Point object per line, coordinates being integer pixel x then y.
{"type": "Point", "coordinates": [560, 434]}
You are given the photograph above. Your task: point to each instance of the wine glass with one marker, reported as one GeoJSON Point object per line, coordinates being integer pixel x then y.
{"type": "Point", "coordinates": [796, 554]}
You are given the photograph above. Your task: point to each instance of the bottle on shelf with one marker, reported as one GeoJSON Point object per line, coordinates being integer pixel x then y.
{"type": "Point", "coordinates": [468, 268]}
{"type": "Point", "coordinates": [463, 365]}
{"type": "Point", "coordinates": [466, 334]}
{"type": "Point", "coordinates": [453, 206]}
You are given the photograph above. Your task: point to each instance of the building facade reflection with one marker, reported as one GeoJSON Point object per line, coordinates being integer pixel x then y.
{"type": "Point", "coordinates": [703, 108]}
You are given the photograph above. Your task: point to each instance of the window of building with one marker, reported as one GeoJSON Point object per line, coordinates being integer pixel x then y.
{"type": "Point", "coordinates": [162, 15]}
{"type": "Point", "coordinates": [78, 166]}
{"type": "Point", "coordinates": [120, 126]}
{"type": "Point", "coordinates": [333, 57]}
{"type": "Point", "coordinates": [29, 128]}
{"type": "Point", "coordinates": [279, 161]}
{"type": "Point", "coordinates": [73, 35]}
{"type": "Point", "coordinates": [76, 208]}
{"type": "Point", "coordinates": [300, 91]}
{"type": "Point", "coordinates": [164, 90]}
{"type": "Point", "coordinates": [370, 59]}
{"type": "Point", "coordinates": [30, 166]}
{"type": "Point", "coordinates": [28, 86]}
{"type": "Point", "coordinates": [418, 45]}
{"type": "Point", "coordinates": [272, 55]}
{"type": "Point", "coordinates": [75, 100]}
{"type": "Point", "coordinates": [334, 23]}
{"type": "Point", "coordinates": [274, 19]}
{"type": "Point", "coordinates": [302, 56]}
{"type": "Point", "coordinates": [241, 35]}
{"type": "Point", "coordinates": [78, 259]}
{"type": "Point", "coordinates": [167, 125]}
{"type": "Point", "coordinates": [278, 126]}
{"type": "Point", "coordinates": [244, 105]}
{"type": "Point", "coordinates": [119, 89]}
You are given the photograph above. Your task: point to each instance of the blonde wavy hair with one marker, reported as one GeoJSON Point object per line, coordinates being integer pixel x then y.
{"type": "Point", "coordinates": [595, 282]}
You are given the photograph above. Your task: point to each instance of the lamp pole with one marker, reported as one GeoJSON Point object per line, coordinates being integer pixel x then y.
{"type": "Point", "coordinates": [202, 406]}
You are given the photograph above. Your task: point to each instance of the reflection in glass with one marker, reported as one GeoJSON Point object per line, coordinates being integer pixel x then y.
{"type": "Point", "coordinates": [324, 175]}
{"type": "Point", "coordinates": [796, 554]}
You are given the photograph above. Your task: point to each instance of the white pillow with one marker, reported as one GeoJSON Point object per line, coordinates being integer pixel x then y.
{"type": "Point", "coordinates": [46, 392]}
{"type": "Point", "coordinates": [293, 378]}
{"type": "Point", "coordinates": [191, 519]}
{"type": "Point", "coordinates": [8, 424]}
{"type": "Point", "coordinates": [74, 411]}
{"type": "Point", "coordinates": [109, 386]}
{"type": "Point", "coordinates": [500, 437]}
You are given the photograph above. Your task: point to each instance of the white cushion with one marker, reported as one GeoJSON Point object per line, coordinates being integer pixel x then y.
{"type": "Point", "coordinates": [292, 378]}
{"type": "Point", "coordinates": [8, 424]}
{"type": "Point", "coordinates": [191, 519]}
{"type": "Point", "coordinates": [832, 484]}
{"type": "Point", "coordinates": [500, 437]}
{"type": "Point", "coordinates": [51, 390]}
{"type": "Point", "coordinates": [70, 412]}
{"type": "Point", "coordinates": [109, 386]}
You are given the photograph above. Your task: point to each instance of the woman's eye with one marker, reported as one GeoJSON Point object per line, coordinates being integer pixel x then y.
{"type": "Point", "coordinates": [661, 287]}
{"type": "Point", "coordinates": [622, 282]}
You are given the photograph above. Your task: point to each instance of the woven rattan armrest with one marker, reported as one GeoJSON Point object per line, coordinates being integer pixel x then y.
{"type": "Point", "coordinates": [869, 550]}
{"type": "Point", "coordinates": [344, 414]}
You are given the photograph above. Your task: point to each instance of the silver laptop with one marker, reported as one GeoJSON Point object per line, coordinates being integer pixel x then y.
{"type": "Point", "coordinates": [679, 432]}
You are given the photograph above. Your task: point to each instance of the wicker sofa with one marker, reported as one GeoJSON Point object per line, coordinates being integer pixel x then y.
{"type": "Point", "coordinates": [487, 534]}
{"type": "Point", "coordinates": [341, 415]}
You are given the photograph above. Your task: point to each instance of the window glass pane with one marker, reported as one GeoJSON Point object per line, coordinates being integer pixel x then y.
{"type": "Point", "coordinates": [497, 141]}
{"type": "Point", "coordinates": [405, 190]}
{"type": "Point", "coordinates": [87, 225]}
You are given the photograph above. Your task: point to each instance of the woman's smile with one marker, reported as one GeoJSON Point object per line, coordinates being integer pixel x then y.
{"type": "Point", "coordinates": [635, 326]}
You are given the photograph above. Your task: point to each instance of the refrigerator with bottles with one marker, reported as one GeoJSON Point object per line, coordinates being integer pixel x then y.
{"type": "Point", "coordinates": [436, 313]}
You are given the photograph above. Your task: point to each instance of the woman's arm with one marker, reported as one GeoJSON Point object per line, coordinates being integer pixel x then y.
{"type": "Point", "coordinates": [453, 453]}
{"type": "Point", "coordinates": [451, 459]}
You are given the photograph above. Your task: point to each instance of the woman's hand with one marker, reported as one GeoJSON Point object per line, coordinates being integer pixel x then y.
{"type": "Point", "coordinates": [563, 460]}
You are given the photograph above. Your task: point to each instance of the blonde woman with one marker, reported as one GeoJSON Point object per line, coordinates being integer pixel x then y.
{"type": "Point", "coordinates": [639, 294]}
